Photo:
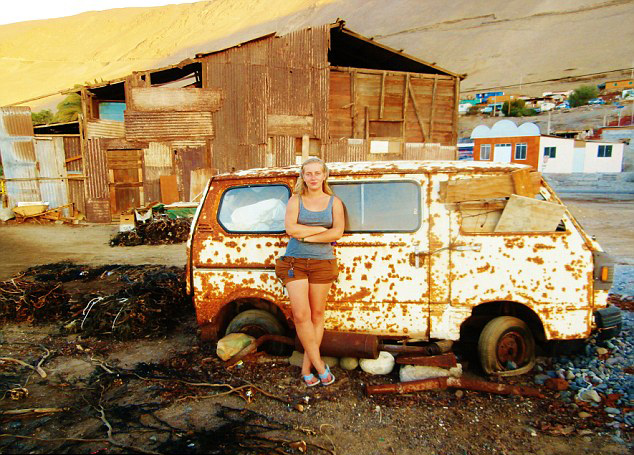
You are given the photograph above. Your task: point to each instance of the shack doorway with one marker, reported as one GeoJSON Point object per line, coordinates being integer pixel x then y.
{"type": "Point", "coordinates": [125, 180]}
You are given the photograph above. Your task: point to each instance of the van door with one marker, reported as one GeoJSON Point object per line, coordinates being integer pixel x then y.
{"type": "Point", "coordinates": [383, 285]}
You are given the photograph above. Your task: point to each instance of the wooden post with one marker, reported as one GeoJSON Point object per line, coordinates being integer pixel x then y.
{"type": "Point", "coordinates": [353, 100]}
{"type": "Point", "coordinates": [454, 130]}
{"type": "Point", "coordinates": [404, 114]}
{"type": "Point", "coordinates": [305, 147]}
{"type": "Point", "coordinates": [382, 98]}
{"type": "Point", "coordinates": [367, 123]}
{"type": "Point", "coordinates": [433, 109]}
{"type": "Point", "coordinates": [270, 159]}
{"type": "Point", "coordinates": [417, 111]}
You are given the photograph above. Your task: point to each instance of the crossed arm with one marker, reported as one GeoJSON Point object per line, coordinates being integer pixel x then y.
{"type": "Point", "coordinates": [314, 234]}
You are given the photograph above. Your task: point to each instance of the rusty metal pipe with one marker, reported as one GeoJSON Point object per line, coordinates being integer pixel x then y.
{"type": "Point", "coordinates": [457, 383]}
{"type": "Point", "coordinates": [344, 344]}
{"type": "Point", "coordinates": [447, 360]}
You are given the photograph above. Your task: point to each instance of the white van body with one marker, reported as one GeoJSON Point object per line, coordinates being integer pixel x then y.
{"type": "Point", "coordinates": [423, 254]}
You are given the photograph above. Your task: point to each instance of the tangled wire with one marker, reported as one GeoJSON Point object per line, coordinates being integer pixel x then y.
{"type": "Point", "coordinates": [159, 231]}
{"type": "Point", "coordinates": [144, 301]}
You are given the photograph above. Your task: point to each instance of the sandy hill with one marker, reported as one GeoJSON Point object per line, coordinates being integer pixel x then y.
{"type": "Point", "coordinates": [496, 42]}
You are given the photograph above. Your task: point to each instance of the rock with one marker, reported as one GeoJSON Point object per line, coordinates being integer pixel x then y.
{"type": "Point", "coordinates": [584, 415]}
{"type": "Point", "coordinates": [557, 384]}
{"type": "Point", "coordinates": [541, 378]}
{"type": "Point", "coordinates": [612, 410]}
{"type": "Point", "coordinates": [348, 363]}
{"type": "Point", "coordinates": [602, 351]}
{"type": "Point", "coordinates": [589, 395]}
{"type": "Point", "coordinates": [570, 375]}
{"type": "Point", "coordinates": [382, 365]}
{"type": "Point", "coordinates": [456, 372]}
{"type": "Point", "coordinates": [417, 372]}
{"type": "Point", "coordinates": [297, 359]}
{"type": "Point", "coordinates": [231, 344]}
{"type": "Point", "coordinates": [459, 393]}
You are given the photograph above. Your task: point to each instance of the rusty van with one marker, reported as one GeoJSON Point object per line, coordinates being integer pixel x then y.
{"type": "Point", "coordinates": [431, 251]}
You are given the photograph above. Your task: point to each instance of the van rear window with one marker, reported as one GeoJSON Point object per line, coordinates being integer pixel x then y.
{"type": "Point", "coordinates": [380, 206]}
{"type": "Point", "coordinates": [254, 208]}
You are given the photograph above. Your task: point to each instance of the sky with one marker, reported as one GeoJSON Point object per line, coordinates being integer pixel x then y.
{"type": "Point", "coordinates": [28, 10]}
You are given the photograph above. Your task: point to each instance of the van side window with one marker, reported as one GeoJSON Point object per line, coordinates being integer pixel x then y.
{"type": "Point", "coordinates": [380, 206]}
{"type": "Point", "coordinates": [254, 208]}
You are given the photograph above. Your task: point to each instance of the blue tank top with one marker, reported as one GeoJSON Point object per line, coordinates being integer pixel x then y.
{"type": "Point", "coordinates": [297, 249]}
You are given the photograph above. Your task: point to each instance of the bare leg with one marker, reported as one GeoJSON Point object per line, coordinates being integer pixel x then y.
{"type": "Point", "coordinates": [298, 292]}
{"type": "Point", "coordinates": [317, 296]}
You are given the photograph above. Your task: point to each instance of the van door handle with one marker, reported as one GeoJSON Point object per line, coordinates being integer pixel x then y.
{"type": "Point", "coordinates": [472, 247]}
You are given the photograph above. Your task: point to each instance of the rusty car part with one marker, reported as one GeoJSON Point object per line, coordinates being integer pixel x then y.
{"type": "Point", "coordinates": [456, 383]}
{"type": "Point", "coordinates": [343, 344]}
{"type": "Point", "coordinates": [436, 348]}
{"type": "Point", "coordinates": [447, 360]}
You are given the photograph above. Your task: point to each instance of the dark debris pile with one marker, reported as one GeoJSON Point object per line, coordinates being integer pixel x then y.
{"type": "Point", "coordinates": [159, 231]}
{"type": "Point", "coordinates": [120, 301]}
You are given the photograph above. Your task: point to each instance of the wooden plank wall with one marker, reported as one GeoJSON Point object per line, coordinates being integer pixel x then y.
{"type": "Point", "coordinates": [270, 86]}
{"type": "Point", "coordinates": [387, 104]}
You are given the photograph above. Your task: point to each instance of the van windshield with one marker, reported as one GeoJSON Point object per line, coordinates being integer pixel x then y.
{"type": "Point", "coordinates": [380, 206]}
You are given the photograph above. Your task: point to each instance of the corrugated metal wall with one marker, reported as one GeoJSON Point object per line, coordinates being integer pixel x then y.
{"type": "Point", "coordinates": [17, 152]}
{"type": "Point", "coordinates": [104, 128]}
{"type": "Point", "coordinates": [49, 153]}
{"type": "Point", "coordinates": [74, 171]}
{"type": "Point", "coordinates": [285, 75]}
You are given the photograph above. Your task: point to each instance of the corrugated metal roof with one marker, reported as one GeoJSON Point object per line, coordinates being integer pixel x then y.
{"type": "Point", "coordinates": [16, 121]}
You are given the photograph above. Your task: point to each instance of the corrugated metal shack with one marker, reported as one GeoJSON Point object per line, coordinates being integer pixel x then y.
{"type": "Point", "coordinates": [271, 101]}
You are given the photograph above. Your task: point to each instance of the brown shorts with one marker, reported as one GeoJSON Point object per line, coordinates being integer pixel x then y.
{"type": "Point", "coordinates": [319, 271]}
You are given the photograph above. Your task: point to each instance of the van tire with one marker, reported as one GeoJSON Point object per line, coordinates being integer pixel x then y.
{"type": "Point", "coordinates": [257, 323]}
{"type": "Point", "coordinates": [506, 339]}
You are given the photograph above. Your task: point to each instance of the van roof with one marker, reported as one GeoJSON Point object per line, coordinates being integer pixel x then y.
{"type": "Point", "coordinates": [384, 167]}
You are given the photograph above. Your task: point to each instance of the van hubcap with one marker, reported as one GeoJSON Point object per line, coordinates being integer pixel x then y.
{"type": "Point", "coordinates": [511, 348]}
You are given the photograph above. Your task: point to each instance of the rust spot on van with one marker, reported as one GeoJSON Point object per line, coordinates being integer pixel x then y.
{"type": "Point", "coordinates": [231, 244]}
{"type": "Point", "coordinates": [484, 268]}
{"type": "Point", "coordinates": [536, 260]}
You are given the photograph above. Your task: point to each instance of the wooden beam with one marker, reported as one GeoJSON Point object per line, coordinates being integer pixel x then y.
{"type": "Point", "coordinates": [433, 109]}
{"type": "Point", "coordinates": [473, 189]}
{"type": "Point", "coordinates": [522, 183]}
{"type": "Point", "coordinates": [417, 111]}
{"type": "Point", "coordinates": [345, 69]}
{"type": "Point", "coordinates": [367, 123]}
{"type": "Point", "coordinates": [405, 99]}
{"type": "Point", "coordinates": [305, 147]}
{"type": "Point", "coordinates": [382, 96]}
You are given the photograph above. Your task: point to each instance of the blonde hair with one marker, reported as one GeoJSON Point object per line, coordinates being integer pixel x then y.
{"type": "Point", "coordinates": [300, 186]}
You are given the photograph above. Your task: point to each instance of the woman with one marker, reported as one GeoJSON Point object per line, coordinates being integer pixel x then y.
{"type": "Point", "coordinates": [314, 219]}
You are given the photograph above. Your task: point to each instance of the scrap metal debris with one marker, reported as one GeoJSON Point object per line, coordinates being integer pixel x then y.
{"type": "Point", "coordinates": [131, 301]}
{"type": "Point", "coordinates": [159, 231]}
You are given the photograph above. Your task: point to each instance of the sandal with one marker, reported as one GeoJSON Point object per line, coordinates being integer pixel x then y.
{"type": "Point", "coordinates": [310, 380]}
{"type": "Point", "coordinates": [327, 377]}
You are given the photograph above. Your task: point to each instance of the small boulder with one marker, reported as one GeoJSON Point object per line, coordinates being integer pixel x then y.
{"type": "Point", "coordinates": [297, 359]}
{"type": "Point", "coordinates": [231, 344]}
{"type": "Point", "coordinates": [557, 384]}
{"type": "Point", "coordinates": [349, 363]}
{"type": "Point", "coordinates": [381, 365]}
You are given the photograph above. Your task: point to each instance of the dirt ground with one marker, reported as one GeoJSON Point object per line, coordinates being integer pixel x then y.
{"type": "Point", "coordinates": [173, 395]}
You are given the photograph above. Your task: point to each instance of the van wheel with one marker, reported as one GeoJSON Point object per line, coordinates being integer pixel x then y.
{"type": "Point", "coordinates": [257, 323]}
{"type": "Point", "coordinates": [506, 347]}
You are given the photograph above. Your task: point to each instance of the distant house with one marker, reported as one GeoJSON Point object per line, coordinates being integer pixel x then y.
{"type": "Point", "coordinates": [617, 86]}
{"type": "Point", "coordinates": [506, 142]}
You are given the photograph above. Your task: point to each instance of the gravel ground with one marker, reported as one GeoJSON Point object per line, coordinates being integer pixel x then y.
{"type": "Point", "coordinates": [623, 280]}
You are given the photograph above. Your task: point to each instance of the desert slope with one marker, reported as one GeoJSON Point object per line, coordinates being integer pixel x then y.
{"type": "Point", "coordinates": [496, 42]}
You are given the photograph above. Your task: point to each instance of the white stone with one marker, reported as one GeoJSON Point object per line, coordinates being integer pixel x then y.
{"type": "Point", "coordinates": [381, 365]}
{"type": "Point", "coordinates": [589, 395]}
{"type": "Point", "coordinates": [418, 372]}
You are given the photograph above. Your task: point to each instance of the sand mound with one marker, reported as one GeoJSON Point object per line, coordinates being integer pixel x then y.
{"type": "Point", "coordinates": [497, 42]}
